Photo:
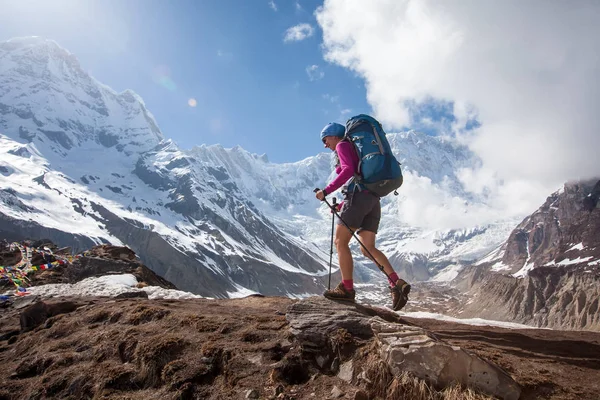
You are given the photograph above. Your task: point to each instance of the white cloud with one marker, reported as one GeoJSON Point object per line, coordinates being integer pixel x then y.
{"type": "Point", "coordinates": [298, 33]}
{"type": "Point", "coordinates": [528, 72]}
{"type": "Point", "coordinates": [273, 5]}
{"type": "Point", "coordinates": [314, 73]}
{"type": "Point", "coordinates": [433, 206]}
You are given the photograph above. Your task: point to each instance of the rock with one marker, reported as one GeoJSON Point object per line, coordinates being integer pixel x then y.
{"type": "Point", "coordinates": [335, 365]}
{"type": "Point", "coordinates": [321, 360]}
{"type": "Point", "coordinates": [64, 251]}
{"type": "Point", "coordinates": [314, 319]}
{"type": "Point", "coordinates": [36, 314]}
{"type": "Point", "coordinates": [5, 301]}
{"type": "Point", "coordinates": [278, 390]}
{"type": "Point", "coordinates": [411, 349]}
{"type": "Point", "coordinates": [362, 377]}
{"type": "Point", "coordinates": [9, 256]}
{"type": "Point", "coordinates": [346, 371]}
{"type": "Point", "coordinates": [131, 295]}
{"type": "Point", "coordinates": [360, 395]}
{"type": "Point", "coordinates": [336, 392]}
{"type": "Point", "coordinates": [26, 301]}
{"type": "Point", "coordinates": [99, 261]}
{"type": "Point", "coordinates": [112, 252]}
{"type": "Point", "coordinates": [252, 394]}
{"type": "Point", "coordinates": [292, 370]}
{"type": "Point", "coordinates": [95, 264]}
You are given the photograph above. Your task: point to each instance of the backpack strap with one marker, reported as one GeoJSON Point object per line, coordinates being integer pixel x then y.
{"type": "Point", "coordinates": [377, 138]}
{"type": "Point", "coordinates": [357, 178]}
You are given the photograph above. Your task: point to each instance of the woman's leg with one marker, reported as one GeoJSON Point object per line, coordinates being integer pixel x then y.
{"type": "Point", "coordinates": [345, 290]}
{"type": "Point", "coordinates": [342, 243]}
{"type": "Point", "coordinates": [399, 287]}
{"type": "Point", "coordinates": [368, 240]}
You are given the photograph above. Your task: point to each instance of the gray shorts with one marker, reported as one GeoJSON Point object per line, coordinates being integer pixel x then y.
{"type": "Point", "coordinates": [361, 210]}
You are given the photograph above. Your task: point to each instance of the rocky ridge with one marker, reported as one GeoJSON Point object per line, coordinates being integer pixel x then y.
{"type": "Point", "coordinates": [98, 261]}
{"type": "Point", "coordinates": [547, 273]}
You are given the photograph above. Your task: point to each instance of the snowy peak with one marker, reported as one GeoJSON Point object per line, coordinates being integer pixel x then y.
{"type": "Point", "coordinates": [269, 186]}
{"type": "Point", "coordinates": [563, 231]}
{"type": "Point", "coordinates": [433, 157]}
{"type": "Point", "coordinates": [61, 106]}
{"type": "Point", "coordinates": [40, 52]}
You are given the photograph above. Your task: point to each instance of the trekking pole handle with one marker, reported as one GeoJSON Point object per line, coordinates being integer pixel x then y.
{"type": "Point", "coordinates": [333, 200]}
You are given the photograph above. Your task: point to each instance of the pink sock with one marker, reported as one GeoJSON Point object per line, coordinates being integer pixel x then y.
{"type": "Point", "coordinates": [348, 284]}
{"type": "Point", "coordinates": [393, 277]}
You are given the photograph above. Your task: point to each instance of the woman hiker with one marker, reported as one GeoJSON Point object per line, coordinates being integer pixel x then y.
{"type": "Point", "coordinates": [361, 211]}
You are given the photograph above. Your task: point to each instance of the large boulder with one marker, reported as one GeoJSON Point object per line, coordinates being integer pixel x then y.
{"type": "Point", "coordinates": [412, 349]}
{"type": "Point", "coordinates": [316, 320]}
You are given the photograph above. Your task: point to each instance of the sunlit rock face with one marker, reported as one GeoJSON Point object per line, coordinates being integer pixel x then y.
{"type": "Point", "coordinates": [548, 271]}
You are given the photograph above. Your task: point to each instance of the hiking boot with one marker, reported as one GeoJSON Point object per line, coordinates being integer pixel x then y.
{"type": "Point", "coordinates": [400, 293]}
{"type": "Point", "coordinates": [340, 293]}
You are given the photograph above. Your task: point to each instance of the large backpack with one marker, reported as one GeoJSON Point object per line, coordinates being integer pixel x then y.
{"type": "Point", "coordinates": [379, 171]}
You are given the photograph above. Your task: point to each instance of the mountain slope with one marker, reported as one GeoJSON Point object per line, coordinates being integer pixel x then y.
{"type": "Point", "coordinates": [553, 257]}
{"type": "Point", "coordinates": [64, 129]}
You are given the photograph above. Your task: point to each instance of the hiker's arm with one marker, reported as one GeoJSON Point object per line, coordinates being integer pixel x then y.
{"type": "Point", "coordinates": [348, 166]}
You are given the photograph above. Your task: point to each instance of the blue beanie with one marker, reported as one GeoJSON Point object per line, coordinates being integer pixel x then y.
{"type": "Point", "coordinates": [333, 129]}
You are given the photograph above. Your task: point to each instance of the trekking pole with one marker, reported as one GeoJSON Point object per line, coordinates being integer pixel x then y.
{"type": "Point", "coordinates": [355, 237]}
{"type": "Point", "coordinates": [334, 204]}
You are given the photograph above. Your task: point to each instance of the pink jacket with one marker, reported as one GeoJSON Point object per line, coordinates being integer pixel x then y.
{"type": "Point", "coordinates": [347, 168]}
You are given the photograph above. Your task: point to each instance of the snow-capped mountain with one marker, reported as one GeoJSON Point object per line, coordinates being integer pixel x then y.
{"type": "Point", "coordinates": [565, 230]}
{"type": "Point", "coordinates": [546, 273]}
{"type": "Point", "coordinates": [81, 164]}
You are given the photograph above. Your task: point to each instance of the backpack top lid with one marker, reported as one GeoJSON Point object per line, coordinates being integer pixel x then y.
{"type": "Point", "coordinates": [333, 129]}
{"type": "Point", "coordinates": [360, 119]}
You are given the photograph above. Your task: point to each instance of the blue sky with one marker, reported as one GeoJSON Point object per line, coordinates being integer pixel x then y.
{"type": "Point", "coordinates": [463, 68]}
{"type": "Point", "coordinates": [252, 87]}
